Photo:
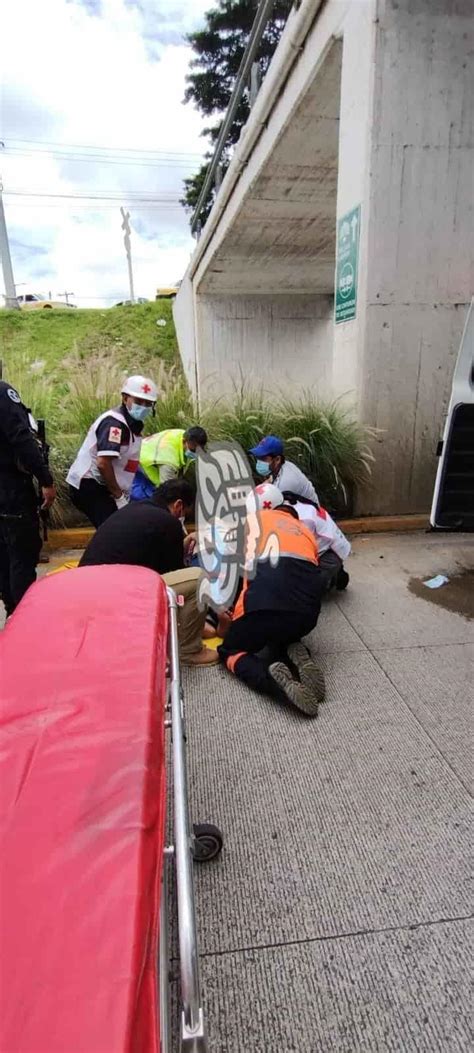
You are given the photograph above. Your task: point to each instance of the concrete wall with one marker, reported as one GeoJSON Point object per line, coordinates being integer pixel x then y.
{"type": "Point", "coordinates": [394, 78]}
{"type": "Point", "coordinates": [185, 322]}
{"type": "Point", "coordinates": [272, 342]}
{"type": "Point", "coordinates": [353, 188]}
{"type": "Point", "coordinates": [419, 263]}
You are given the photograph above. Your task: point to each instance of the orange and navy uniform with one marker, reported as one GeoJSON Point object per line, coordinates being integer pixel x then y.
{"type": "Point", "coordinates": [281, 602]}
{"type": "Point", "coordinates": [295, 581]}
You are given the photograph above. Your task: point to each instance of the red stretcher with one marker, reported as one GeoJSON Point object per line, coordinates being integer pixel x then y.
{"type": "Point", "coordinates": [89, 682]}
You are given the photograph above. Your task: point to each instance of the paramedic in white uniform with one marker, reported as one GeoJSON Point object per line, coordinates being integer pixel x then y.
{"type": "Point", "coordinates": [101, 477]}
{"type": "Point", "coordinates": [333, 546]}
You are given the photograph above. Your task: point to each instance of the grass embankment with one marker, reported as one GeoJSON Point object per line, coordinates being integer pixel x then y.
{"type": "Point", "coordinates": [50, 336]}
{"type": "Point", "coordinates": [69, 366]}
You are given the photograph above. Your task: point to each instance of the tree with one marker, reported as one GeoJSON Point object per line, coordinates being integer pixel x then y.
{"type": "Point", "coordinates": [218, 50]}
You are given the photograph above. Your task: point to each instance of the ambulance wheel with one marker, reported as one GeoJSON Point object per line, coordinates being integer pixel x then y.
{"type": "Point", "coordinates": [207, 842]}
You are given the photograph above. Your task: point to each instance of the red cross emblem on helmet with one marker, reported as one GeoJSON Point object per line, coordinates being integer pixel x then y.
{"type": "Point", "coordinates": [267, 504]}
{"type": "Point", "coordinates": [146, 388]}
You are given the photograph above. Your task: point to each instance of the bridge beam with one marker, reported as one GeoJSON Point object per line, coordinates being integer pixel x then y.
{"type": "Point", "coordinates": [373, 111]}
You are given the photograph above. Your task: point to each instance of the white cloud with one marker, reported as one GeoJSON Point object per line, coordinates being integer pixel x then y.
{"type": "Point", "coordinates": [100, 73]}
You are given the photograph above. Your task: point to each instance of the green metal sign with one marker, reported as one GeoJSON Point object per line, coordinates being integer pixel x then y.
{"type": "Point", "coordinates": [347, 266]}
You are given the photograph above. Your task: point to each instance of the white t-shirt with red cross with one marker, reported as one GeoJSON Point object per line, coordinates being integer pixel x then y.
{"type": "Point", "coordinates": [111, 435]}
{"type": "Point", "coordinates": [324, 529]}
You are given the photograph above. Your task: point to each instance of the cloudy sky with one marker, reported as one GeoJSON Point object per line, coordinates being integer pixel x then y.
{"type": "Point", "coordinates": [92, 119]}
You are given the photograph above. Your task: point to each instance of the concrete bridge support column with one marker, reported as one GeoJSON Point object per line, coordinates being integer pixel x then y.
{"type": "Point", "coordinates": [404, 155]}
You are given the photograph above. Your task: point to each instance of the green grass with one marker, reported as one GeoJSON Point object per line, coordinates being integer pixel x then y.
{"type": "Point", "coordinates": [50, 337]}
{"type": "Point", "coordinates": [69, 366]}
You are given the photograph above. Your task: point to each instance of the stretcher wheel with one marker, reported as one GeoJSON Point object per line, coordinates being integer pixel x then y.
{"type": "Point", "coordinates": [207, 842]}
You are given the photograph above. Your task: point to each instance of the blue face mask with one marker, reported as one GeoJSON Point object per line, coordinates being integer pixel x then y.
{"type": "Point", "coordinates": [190, 455]}
{"type": "Point", "coordinates": [139, 412]}
{"type": "Point", "coordinates": [263, 468]}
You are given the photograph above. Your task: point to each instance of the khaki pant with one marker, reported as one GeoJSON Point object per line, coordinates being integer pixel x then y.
{"type": "Point", "coordinates": [190, 619]}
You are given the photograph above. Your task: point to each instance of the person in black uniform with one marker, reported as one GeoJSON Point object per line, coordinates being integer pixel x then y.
{"type": "Point", "coordinates": [149, 534]}
{"type": "Point", "coordinates": [21, 461]}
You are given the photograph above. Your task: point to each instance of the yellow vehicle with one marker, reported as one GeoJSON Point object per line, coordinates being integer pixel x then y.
{"type": "Point", "coordinates": [32, 302]}
{"type": "Point", "coordinates": [168, 292]}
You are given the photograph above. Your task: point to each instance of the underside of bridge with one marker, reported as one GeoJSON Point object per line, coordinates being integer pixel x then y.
{"type": "Point", "coordinates": [283, 238]}
{"type": "Point", "coordinates": [368, 124]}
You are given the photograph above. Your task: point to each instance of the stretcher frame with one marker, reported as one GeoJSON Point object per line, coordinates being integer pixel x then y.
{"type": "Point", "coordinates": [193, 1038]}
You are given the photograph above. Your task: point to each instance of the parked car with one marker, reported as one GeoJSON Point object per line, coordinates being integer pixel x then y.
{"type": "Point", "coordinates": [131, 303]}
{"type": "Point", "coordinates": [32, 301]}
{"type": "Point", "coordinates": [168, 292]}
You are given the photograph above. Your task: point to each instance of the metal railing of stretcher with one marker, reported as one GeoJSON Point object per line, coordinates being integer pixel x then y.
{"type": "Point", "coordinates": [200, 843]}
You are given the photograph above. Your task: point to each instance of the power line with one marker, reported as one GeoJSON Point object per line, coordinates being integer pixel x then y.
{"type": "Point", "coordinates": [137, 206]}
{"type": "Point", "coordinates": [129, 195]}
{"type": "Point", "coordinates": [118, 151]}
{"type": "Point", "coordinates": [15, 153]}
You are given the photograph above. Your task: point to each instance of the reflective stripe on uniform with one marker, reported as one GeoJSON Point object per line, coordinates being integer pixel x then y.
{"type": "Point", "coordinates": [232, 660]}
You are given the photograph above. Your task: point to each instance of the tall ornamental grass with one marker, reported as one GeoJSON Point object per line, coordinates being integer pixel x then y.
{"type": "Point", "coordinates": [323, 439]}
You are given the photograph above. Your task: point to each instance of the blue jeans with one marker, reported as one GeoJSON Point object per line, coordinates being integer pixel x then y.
{"type": "Point", "coordinates": [142, 487]}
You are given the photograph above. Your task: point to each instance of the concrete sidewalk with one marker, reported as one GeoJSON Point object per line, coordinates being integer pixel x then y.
{"type": "Point", "coordinates": [336, 918]}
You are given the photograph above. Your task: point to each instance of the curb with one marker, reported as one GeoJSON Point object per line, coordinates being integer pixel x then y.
{"type": "Point", "coordinates": [79, 537]}
{"type": "Point", "coordinates": [384, 524]}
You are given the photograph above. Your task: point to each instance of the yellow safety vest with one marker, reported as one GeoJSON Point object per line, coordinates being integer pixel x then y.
{"type": "Point", "coordinates": [166, 447]}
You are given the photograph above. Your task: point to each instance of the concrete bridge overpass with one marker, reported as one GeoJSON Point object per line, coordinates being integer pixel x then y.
{"type": "Point", "coordinates": [352, 176]}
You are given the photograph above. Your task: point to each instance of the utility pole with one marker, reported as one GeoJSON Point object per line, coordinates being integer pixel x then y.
{"type": "Point", "coordinates": [66, 296]}
{"type": "Point", "coordinates": [10, 291]}
{"type": "Point", "coordinates": [255, 81]}
{"type": "Point", "coordinates": [126, 241]}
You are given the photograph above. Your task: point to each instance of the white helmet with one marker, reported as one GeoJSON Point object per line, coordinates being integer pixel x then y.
{"type": "Point", "coordinates": [267, 495]}
{"type": "Point", "coordinates": [140, 388]}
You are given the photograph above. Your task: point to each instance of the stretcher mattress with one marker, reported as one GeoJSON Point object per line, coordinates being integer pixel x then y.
{"type": "Point", "coordinates": [82, 796]}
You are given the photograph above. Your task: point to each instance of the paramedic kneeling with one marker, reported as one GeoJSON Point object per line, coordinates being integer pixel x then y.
{"type": "Point", "coordinates": [101, 477]}
{"type": "Point", "coordinates": [150, 534]}
{"type": "Point", "coordinates": [277, 607]}
{"type": "Point", "coordinates": [333, 546]}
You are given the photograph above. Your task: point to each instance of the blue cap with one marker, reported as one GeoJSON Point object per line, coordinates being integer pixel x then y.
{"type": "Point", "coordinates": [270, 446]}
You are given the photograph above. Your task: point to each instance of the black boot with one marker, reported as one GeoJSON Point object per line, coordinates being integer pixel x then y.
{"type": "Point", "coordinates": [342, 579]}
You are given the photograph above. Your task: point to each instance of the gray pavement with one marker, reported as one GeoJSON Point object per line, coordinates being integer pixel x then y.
{"type": "Point", "coordinates": [336, 918]}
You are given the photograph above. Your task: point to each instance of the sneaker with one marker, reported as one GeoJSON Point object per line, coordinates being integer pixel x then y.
{"type": "Point", "coordinates": [310, 674]}
{"type": "Point", "coordinates": [342, 580]}
{"type": "Point", "coordinates": [202, 657]}
{"type": "Point", "coordinates": [295, 692]}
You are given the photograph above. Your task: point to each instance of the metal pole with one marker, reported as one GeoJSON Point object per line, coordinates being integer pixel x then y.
{"type": "Point", "coordinates": [10, 291]}
{"type": "Point", "coordinates": [193, 1037]}
{"type": "Point", "coordinates": [254, 82]}
{"type": "Point", "coordinates": [261, 19]}
{"type": "Point", "coordinates": [127, 243]}
{"type": "Point", "coordinates": [164, 964]}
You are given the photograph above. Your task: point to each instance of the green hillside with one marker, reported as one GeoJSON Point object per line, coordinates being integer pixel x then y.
{"type": "Point", "coordinates": [69, 366]}
{"type": "Point", "coordinates": [47, 338]}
